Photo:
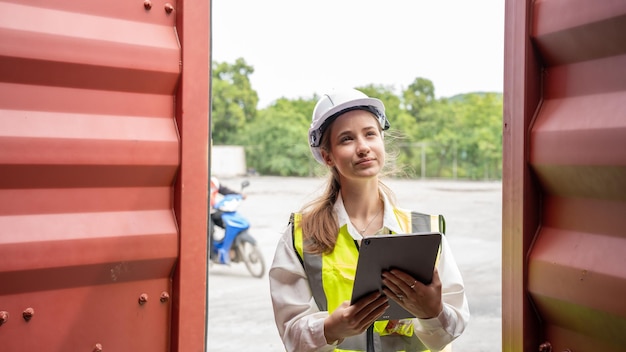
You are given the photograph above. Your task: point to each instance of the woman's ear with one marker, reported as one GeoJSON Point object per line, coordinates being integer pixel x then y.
{"type": "Point", "coordinates": [327, 159]}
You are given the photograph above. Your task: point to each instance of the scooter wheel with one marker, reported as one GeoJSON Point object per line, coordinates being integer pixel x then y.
{"type": "Point", "coordinates": [252, 258]}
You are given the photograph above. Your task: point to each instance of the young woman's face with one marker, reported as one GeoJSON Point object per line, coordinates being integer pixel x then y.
{"type": "Point", "coordinates": [356, 145]}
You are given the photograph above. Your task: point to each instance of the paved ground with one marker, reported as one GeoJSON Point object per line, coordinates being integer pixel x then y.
{"type": "Point", "coordinates": [240, 312]}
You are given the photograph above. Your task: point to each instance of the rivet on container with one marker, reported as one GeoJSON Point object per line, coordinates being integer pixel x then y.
{"type": "Point", "coordinates": [97, 348]}
{"type": "Point", "coordinates": [545, 347]}
{"type": "Point", "coordinates": [164, 297]}
{"type": "Point", "coordinates": [147, 4]}
{"type": "Point", "coordinates": [4, 317]}
{"type": "Point", "coordinates": [143, 299]}
{"type": "Point", "coordinates": [28, 314]}
{"type": "Point", "coordinates": [169, 8]}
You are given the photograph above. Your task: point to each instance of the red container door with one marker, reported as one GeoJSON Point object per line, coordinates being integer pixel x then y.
{"type": "Point", "coordinates": [92, 211]}
{"type": "Point", "coordinates": [564, 206]}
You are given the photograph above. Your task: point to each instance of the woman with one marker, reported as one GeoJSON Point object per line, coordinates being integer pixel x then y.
{"type": "Point", "coordinates": [315, 261]}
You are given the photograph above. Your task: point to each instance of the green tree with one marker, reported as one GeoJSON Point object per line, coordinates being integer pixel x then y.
{"type": "Point", "coordinates": [410, 130]}
{"type": "Point", "coordinates": [276, 140]}
{"type": "Point", "coordinates": [464, 136]}
{"type": "Point", "coordinates": [418, 96]}
{"type": "Point", "coordinates": [482, 146]}
{"type": "Point", "coordinates": [439, 131]}
{"type": "Point", "coordinates": [233, 101]}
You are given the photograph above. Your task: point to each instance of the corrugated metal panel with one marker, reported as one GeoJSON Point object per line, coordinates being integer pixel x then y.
{"type": "Point", "coordinates": [89, 158]}
{"type": "Point", "coordinates": [575, 273]}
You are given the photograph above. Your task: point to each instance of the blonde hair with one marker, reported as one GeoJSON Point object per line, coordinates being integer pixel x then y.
{"type": "Point", "coordinates": [320, 225]}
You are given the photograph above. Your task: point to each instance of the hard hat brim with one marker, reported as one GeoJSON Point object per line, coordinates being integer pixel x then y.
{"type": "Point", "coordinates": [347, 105]}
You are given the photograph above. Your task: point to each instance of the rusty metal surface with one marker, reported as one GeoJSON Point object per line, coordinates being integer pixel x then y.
{"type": "Point", "coordinates": [91, 148]}
{"type": "Point", "coordinates": [576, 149]}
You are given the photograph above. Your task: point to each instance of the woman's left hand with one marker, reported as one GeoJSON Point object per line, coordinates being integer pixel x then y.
{"type": "Point", "coordinates": [423, 301]}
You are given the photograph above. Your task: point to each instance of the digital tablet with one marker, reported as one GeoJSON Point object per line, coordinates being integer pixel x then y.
{"type": "Point", "coordinates": [414, 253]}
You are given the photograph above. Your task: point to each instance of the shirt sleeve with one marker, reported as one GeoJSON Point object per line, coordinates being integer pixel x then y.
{"type": "Point", "coordinates": [440, 331]}
{"type": "Point", "coordinates": [300, 323]}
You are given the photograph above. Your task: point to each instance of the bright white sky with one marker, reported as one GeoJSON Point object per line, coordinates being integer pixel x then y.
{"type": "Point", "coordinates": [299, 48]}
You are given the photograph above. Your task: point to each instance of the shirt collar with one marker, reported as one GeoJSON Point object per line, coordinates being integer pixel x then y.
{"type": "Point", "coordinates": [390, 221]}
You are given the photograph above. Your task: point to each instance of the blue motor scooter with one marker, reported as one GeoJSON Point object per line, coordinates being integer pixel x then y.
{"type": "Point", "coordinates": [234, 243]}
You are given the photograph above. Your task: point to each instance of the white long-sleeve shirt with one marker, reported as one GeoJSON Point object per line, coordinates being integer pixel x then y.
{"type": "Point", "coordinates": [301, 324]}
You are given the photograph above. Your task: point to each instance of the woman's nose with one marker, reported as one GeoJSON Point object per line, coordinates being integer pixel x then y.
{"type": "Point", "coordinates": [362, 146]}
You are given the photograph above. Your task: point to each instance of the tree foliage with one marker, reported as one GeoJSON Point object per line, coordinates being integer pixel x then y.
{"type": "Point", "coordinates": [417, 97]}
{"type": "Point", "coordinates": [276, 141]}
{"type": "Point", "coordinates": [457, 137]}
{"type": "Point", "coordinates": [233, 102]}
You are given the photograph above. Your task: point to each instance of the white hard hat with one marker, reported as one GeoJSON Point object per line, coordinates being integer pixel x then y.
{"type": "Point", "coordinates": [330, 106]}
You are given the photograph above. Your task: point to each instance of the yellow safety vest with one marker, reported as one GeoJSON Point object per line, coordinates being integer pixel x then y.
{"type": "Point", "coordinates": [331, 277]}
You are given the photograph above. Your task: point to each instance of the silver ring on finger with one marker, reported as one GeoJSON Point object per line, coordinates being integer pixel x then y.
{"type": "Point", "coordinates": [400, 297]}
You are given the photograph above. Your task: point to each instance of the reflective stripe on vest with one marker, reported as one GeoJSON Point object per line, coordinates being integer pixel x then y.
{"type": "Point", "coordinates": [331, 277]}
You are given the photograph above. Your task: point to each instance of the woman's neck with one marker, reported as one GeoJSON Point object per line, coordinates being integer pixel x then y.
{"type": "Point", "coordinates": [364, 207]}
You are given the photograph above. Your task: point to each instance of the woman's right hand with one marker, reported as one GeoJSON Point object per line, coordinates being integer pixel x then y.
{"type": "Point", "coordinates": [349, 320]}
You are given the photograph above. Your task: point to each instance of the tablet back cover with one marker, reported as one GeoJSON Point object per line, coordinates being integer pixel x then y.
{"type": "Point", "coordinates": [414, 254]}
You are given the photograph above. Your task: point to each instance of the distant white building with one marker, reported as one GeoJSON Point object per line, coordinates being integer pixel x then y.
{"type": "Point", "coordinates": [228, 161]}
